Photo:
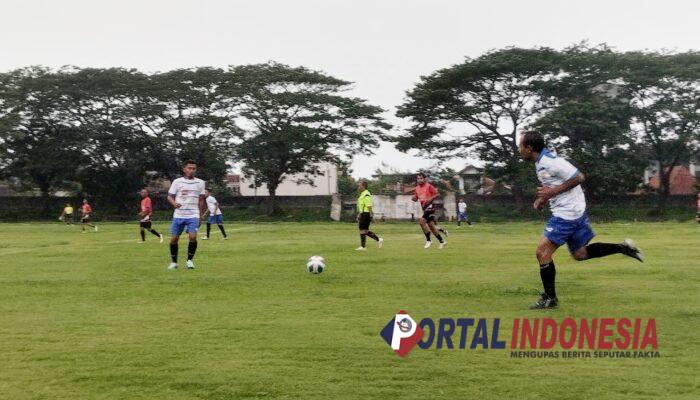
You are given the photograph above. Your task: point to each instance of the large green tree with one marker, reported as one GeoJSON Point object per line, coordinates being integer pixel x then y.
{"type": "Point", "coordinates": [589, 120]}
{"type": "Point", "coordinates": [664, 93]}
{"type": "Point", "coordinates": [292, 119]}
{"type": "Point", "coordinates": [477, 109]}
{"type": "Point", "coordinates": [39, 148]}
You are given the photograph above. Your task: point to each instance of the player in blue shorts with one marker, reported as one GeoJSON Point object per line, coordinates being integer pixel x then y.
{"type": "Point", "coordinates": [215, 215]}
{"type": "Point", "coordinates": [186, 195]}
{"type": "Point", "coordinates": [561, 186]}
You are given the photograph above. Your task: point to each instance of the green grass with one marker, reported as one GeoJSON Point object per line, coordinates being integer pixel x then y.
{"type": "Point", "coordinates": [97, 316]}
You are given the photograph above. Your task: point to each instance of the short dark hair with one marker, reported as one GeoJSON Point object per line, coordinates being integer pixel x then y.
{"type": "Point", "coordinates": [421, 174]}
{"type": "Point", "coordinates": [533, 139]}
{"type": "Point", "coordinates": [187, 162]}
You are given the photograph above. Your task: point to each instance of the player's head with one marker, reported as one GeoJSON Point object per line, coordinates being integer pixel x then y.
{"type": "Point", "coordinates": [420, 178]}
{"type": "Point", "coordinates": [362, 185]}
{"type": "Point", "coordinates": [461, 199]}
{"type": "Point", "coordinates": [67, 204]}
{"type": "Point", "coordinates": [207, 191]}
{"type": "Point", "coordinates": [85, 201]}
{"type": "Point", "coordinates": [189, 168]}
{"type": "Point", "coordinates": [144, 193]}
{"type": "Point", "coordinates": [531, 144]}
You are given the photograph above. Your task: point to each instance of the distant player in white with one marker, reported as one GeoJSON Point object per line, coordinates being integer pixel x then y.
{"type": "Point", "coordinates": [215, 215]}
{"type": "Point", "coordinates": [462, 213]}
{"type": "Point", "coordinates": [561, 186]}
{"type": "Point", "coordinates": [186, 195]}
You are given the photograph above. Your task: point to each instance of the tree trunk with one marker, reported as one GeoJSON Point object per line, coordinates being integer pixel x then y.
{"type": "Point", "coordinates": [664, 188]}
{"type": "Point", "coordinates": [272, 207]}
{"type": "Point", "coordinates": [519, 197]}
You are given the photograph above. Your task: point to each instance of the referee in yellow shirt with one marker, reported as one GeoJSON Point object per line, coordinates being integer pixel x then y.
{"type": "Point", "coordinates": [364, 216]}
{"type": "Point", "coordinates": [67, 214]}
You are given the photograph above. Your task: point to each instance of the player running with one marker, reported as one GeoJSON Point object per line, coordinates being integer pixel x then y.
{"type": "Point", "coordinates": [145, 216]}
{"type": "Point", "coordinates": [462, 213]}
{"type": "Point", "coordinates": [67, 214]}
{"type": "Point", "coordinates": [426, 194]}
{"type": "Point", "coordinates": [215, 215]}
{"type": "Point", "coordinates": [365, 214]}
{"type": "Point", "coordinates": [561, 185]}
{"type": "Point", "coordinates": [186, 195]}
{"type": "Point", "coordinates": [85, 211]}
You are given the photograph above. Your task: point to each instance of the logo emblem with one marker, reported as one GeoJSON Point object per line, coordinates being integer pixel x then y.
{"type": "Point", "coordinates": [402, 333]}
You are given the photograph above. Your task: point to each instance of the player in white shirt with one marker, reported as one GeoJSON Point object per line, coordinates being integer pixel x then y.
{"type": "Point", "coordinates": [462, 213]}
{"type": "Point", "coordinates": [186, 195]}
{"type": "Point", "coordinates": [215, 215]}
{"type": "Point", "coordinates": [561, 186]}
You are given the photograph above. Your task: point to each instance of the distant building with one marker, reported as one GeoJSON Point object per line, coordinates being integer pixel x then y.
{"type": "Point", "coordinates": [323, 184]}
{"type": "Point", "coordinates": [470, 179]}
{"type": "Point", "coordinates": [683, 177]}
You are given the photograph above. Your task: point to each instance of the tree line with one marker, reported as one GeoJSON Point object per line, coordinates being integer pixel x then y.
{"type": "Point", "coordinates": [108, 131]}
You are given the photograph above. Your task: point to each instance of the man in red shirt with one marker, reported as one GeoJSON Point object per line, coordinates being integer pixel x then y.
{"type": "Point", "coordinates": [86, 210]}
{"type": "Point", "coordinates": [425, 193]}
{"type": "Point", "coordinates": [145, 216]}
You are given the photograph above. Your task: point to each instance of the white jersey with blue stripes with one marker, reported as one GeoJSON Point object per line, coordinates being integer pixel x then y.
{"type": "Point", "coordinates": [187, 193]}
{"type": "Point", "coordinates": [553, 171]}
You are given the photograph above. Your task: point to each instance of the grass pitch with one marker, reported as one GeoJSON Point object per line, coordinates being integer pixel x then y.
{"type": "Point", "coordinates": [98, 316]}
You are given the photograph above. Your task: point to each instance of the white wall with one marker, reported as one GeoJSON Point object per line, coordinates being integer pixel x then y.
{"type": "Point", "coordinates": [324, 185]}
{"type": "Point", "coordinates": [401, 206]}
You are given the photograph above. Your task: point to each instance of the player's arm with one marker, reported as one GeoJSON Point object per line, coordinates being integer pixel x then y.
{"type": "Point", "coordinates": [202, 205]}
{"type": "Point", "coordinates": [547, 193]}
{"type": "Point", "coordinates": [171, 200]}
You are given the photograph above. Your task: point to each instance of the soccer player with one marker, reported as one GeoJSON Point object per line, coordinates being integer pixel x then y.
{"type": "Point", "coordinates": [215, 215]}
{"type": "Point", "coordinates": [426, 193]}
{"type": "Point", "coordinates": [561, 186]}
{"type": "Point", "coordinates": [145, 216]}
{"type": "Point", "coordinates": [462, 213]}
{"type": "Point", "coordinates": [85, 211]}
{"type": "Point", "coordinates": [186, 195]}
{"type": "Point", "coordinates": [365, 214]}
{"type": "Point", "coordinates": [67, 214]}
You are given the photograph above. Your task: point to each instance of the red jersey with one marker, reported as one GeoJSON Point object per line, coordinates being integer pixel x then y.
{"type": "Point", "coordinates": [87, 209]}
{"type": "Point", "coordinates": [146, 209]}
{"type": "Point", "coordinates": [424, 193]}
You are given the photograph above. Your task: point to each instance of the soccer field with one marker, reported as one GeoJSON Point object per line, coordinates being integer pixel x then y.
{"type": "Point", "coordinates": [97, 315]}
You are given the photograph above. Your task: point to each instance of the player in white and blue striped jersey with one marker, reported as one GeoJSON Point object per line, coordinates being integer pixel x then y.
{"type": "Point", "coordinates": [186, 195]}
{"type": "Point", "coordinates": [561, 186]}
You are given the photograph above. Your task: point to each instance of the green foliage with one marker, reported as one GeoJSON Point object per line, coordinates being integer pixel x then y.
{"type": "Point", "coordinates": [296, 119]}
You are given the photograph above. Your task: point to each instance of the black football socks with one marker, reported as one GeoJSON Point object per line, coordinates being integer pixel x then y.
{"type": "Point", "coordinates": [596, 250]}
{"type": "Point", "coordinates": [548, 272]}
{"type": "Point", "coordinates": [191, 249]}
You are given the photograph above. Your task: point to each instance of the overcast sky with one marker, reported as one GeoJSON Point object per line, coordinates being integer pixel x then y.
{"type": "Point", "coordinates": [381, 46]}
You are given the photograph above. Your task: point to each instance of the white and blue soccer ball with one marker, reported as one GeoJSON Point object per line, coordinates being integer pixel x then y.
{"type": "Point", "coordinates": [315, 265]}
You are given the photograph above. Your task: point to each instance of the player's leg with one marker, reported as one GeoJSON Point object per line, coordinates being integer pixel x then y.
{"type": "Point", "coordinates": [580, 249]}
{"type": "Point", "coordinates": [220, 224]}
{"type": "Point", "coordinates": [143, 233]}
{"type": "Point", "coordinates": [176, 228]}
{"type": "Point", "coordinates": [466, 218]}
{"type": "Point", "coordinates": [423, 223]}
{"type": "Point", "coordinates": [545, 250]}
{"type": "Point", "coordinates": [363, 226]}
{"type": "Point", "coordinates": [208, 231]}
{"type": "Point", "coordinates": [436, 231]}
{"type": "Point", "coordinates": [192, 227]}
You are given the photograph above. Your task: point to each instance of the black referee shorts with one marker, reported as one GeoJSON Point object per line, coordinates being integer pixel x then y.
{"type": "Point", "coordinates": [364, 221]}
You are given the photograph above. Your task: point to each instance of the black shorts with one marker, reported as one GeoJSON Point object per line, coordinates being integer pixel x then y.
{"type": "Point", "coordinates": [85, 220]}
{"type": "Point", "coordinates": [364, 221]}
{"type": "Point", "coordinates": [145, 224]}
{"type": "Point", "coordinates": [429, 213]}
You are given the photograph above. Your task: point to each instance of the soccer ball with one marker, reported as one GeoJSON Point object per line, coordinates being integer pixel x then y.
{"type": "Point", "coordinates": [315, 265]}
